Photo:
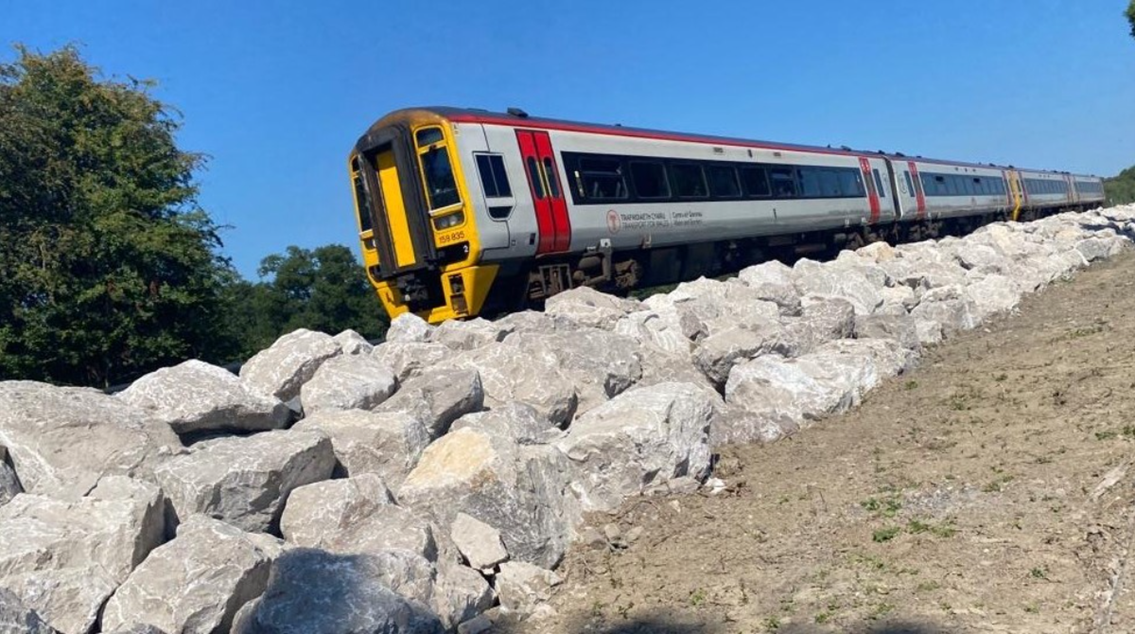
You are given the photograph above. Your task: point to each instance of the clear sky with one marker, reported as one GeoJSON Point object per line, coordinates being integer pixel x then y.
{"type": "Point", "coordinates": [277, 92]}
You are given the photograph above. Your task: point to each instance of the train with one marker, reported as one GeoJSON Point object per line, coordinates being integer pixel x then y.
{"type": "Point", "coordinates": [465, 212]}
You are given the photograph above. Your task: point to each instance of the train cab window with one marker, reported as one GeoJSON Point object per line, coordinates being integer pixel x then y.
{"type": "Point", "coordinates": [783, 181]}
{"type": "Point", "coordinates": [429, 136]}
{"type": "Point", "coordinates": [441, 188]}
{"type": "Point", "coordinates": [649, 180]}
{"type": "Point", "coordinates": [493, 177]}
{"type": "Point", "coordinates": [879, 184]}
{"type": "Point", "coordinates": [689, 180]}
{"type": "Point", "coordinates": [851, 183]}
{"type": "Point", "coordinates": [602, 179]}
{"type": "Point", "coordinates": [534, 178]}
{"type": "Point", "coordinates": [755, 181]}
{"type": "Point", "coordinates": [723, 181]}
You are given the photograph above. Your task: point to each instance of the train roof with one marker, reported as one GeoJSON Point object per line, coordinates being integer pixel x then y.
{"type": "Point", "coordinates": [516, 117]}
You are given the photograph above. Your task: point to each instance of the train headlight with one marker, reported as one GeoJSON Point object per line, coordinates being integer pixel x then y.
{"type": "Point", "coordinates": [449, 221]}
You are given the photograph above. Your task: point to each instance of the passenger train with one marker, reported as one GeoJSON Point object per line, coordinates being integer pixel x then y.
{"type": "Point", "coordinates": [468, 212]}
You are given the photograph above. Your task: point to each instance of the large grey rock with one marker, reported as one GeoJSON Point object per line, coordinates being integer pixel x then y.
{"type": "Point", "coordinates": [773, 281]}
{"type": "Point", "coordinates": [351, 342]}
{"type": "Point", "coordinates": [975, 256]}
{"type": "Point", "coordinates": [524, 587]}
{"type": "Point", "coordinates": [438, 397]}
{"type": "Point", "coordinates": [348, 382]}
{"type": "Point", "coordinates": [719, 352]}
{"type": "Point", "coordinates": [315, 592]}
{"type": "Point", "coordinates": [9, 483]}
{"type": "Point", "coordinates": [822, 319]}
{"type": "Point", "coordinates": [196, 582]}
{"type": "Point", "coordinates": [534, 321]}
{"type": "Point", "coordinates": [949, 308]}
{"type": "Point", "coordinates": [720, 305]}
{"type": "Point", "coordinates": [836, 280]}
{"type": "Point", "coordinates": [877, 252]}
{"type": "Point", "coordinates": [640, 438]}
{"type": "Point", "coordinates": [408, 328]}
{"type": "Point", "coordinates": [64, 559]}
{"type": "Point", "coordinates": [900, 327]}
{"type": "Point", "coordinates": [384, 443]}
{"type": "Point", "coordinates": [61, 441]}
{"type": "Point", "coordinates": [519, 422]}
{"type": "Point", "coordinates": [511, 374]}
{"type": "Point", "coordinates": [588, 307]}
{"type": "Point", "coordinates": [354, 516]}
{"type": "Point", "coordinates": [520, 490]}
{"type": "Point", "coordinates": [994, 294]}
{"type": "Point", "coordinates": [17, 618]}
{"type": "Point", "coordinates": [195, 396]}
{"type": "Point", "coordinates": [599, 364]}
{"type": "Point", "coordinates": [663, 330]}
{"type": "Point", "coordinates": [460, 594]}
{"type": "Point", "coordinates": [408, 359]}
{"type": "Point", "coordinates": [468, 335]}
{"type": "Point", "coordinates": [244, 481]}
{"type": "Point", "coordinates": [283, 368]}
{"type": "Point", "coordinates": [479, 543]}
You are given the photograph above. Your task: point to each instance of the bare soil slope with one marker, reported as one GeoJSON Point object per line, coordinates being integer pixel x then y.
{"type": "Point", "coordinates": [967, 496]}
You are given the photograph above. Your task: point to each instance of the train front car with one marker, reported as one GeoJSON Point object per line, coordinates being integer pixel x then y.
{"type": "Point", "coordinates": [417, 225]}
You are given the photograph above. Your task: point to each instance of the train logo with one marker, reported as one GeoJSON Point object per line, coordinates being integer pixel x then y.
{"type": "Point", "coordinates": [614, 221]}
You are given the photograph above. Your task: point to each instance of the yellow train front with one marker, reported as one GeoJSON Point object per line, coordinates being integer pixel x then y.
{"type": "Point", "coordinates": [466, 212]}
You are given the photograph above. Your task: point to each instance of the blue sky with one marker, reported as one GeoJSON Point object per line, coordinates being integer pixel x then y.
{"type": "Point", "coordinates": [277, 93]}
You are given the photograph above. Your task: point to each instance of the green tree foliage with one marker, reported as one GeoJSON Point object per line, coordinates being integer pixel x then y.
{"type": "Point", "coordinates": [323, 289]}
{"type": "Point", "coordinates": [1121, 189]}
{"type": "Point", "coordinates": [1131, 16]}
{"type": "Point", "coordinates": [109, 266]}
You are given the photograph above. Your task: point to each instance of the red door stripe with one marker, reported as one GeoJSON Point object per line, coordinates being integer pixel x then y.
{"type": "Point", "coordinates": [561, 239]}
{"type": "Point", "coordinates": [920, 195]}
{"type": "Point", "coordinates": [872, 193]}
{"type": "Point", "coordinates": [545, 226]}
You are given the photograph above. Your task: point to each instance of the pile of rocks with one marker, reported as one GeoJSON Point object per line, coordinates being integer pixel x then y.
{"type": "Point", "coordinates": [410, 487]}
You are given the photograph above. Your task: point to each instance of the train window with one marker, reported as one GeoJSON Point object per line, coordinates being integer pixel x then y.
{"type": "Point", "coordinates": [603, 178]}
{"type": "Point", "coordinates": [755, 180]}
{"type": "Point", "coordinates": [429, 136]}
{"type": "Point", "coordinates": [689, 180]}
{"type": "Point", "coordinates": [879, 184]}
{"type": "Point", "coordinates": [829, 183]}
{"type": "Point", "coordinates": [909, 185]}
{"type": "Point", "coordinates": [723, 181]}
{"type": "Point", "coordinates": [851, 183]}
{"type": "Point", "coordinates": [553, 180]}
{"type": "Point", "coordinates": [649, 180]}
{"type": "Point", "coordinates": [493, 178]}
{"type": "Point", "coordinates": [441, 188]}
{"type": "Point", "coordinates": [929, 184]}
{"type": "Point", "coordinates": [783, 181]}
{"type": "Point", "coordinates": [534, 178]}
{"type": "Point", "coordinates": [810, 182]}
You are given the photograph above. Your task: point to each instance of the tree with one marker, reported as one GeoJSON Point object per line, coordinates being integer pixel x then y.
{"type": "Point", "coordinates": [1120, 190]}
{"type": "Point", "coordinates": [110, 266]}
{"type": "Point", "coordinates": [1131, 16]}
{"type": "Point", "coordinates": [323, 289]}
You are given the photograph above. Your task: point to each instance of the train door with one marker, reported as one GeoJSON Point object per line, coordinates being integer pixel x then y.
{"type": "Point", "coordinates": [1017, 191]}
{"type": "Point", "coordinates": [915, 185]}
{"type": "Point", "coordinates": [552, 222]}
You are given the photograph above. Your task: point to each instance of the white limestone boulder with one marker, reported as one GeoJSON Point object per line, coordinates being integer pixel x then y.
{"type": "Point", "coordinates": [62, 441]}
{"type": "Point", "coordinates": [511, 374]}
{"type": "Point", "coordinates": [9, 483]}
{"type": "Point", "coordinates": [196, 582]}
{"type": "Point", "coordinates": [351, 342]}
{"type": "Point", "coordinates": [589, 307]}
{"type": "Point", "coordinates": [408, 328]}
{"type": "Point", "coordinates": [408, 359]}
{"type": "Point", "coordinates": [516, 421]}
{"type": "Point", "coordinates": [245, 481]}
{"type": "Point", "coordinates": [469, 334]}
{"type": "Point", "coordinates": [460, 594]}
{"type": "Point", "coordinates": [524, 587]}
{"type": "Point", "coordinates": [945, 309]}
{"type": "Point", "coordinates": [64, 559]}
{"type": "Point", "coordinates": [353, 381]}
{"type": "Point", "coordinates": [836, 280]}
{"type": "Point", "coordinates": [387, 444]}
{"type": "Point", "coordinates": [479, 543]}
{"type": "Point", "coordinates": [195, 396]}
{"type": "Point", "coordinates": [520, 490]}
{"type": "Point", "coordinates": [638, 439]}
{"type": "Point", "coordinates": [718, 353]}
{"type": "Point", "coordinates": [17, 618]}
{"type": "Point", "coordinates": [438, 397]}
{"type": "Point", "coordinates": [994, 295]}
{"type": "Point", "coordinates": [899, 327]}
{"type": "Point", "coordinates": [354, 516]}
{"type": "Point", "coordinates": [773, 281]}
{"type": "Point", "coordinates": [281, 369]}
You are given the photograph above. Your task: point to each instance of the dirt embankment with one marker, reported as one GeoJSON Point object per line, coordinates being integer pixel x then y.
{"type": "Point", "coordinates": [984, 492]}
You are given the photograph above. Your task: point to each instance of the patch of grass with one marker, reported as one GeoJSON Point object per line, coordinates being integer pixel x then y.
{"type": "Point", "coordinates": [880, 611]}
{"type": "Point", "coordinates": [1107, 435]}
{"type": "Point", "coordinates": [1129, 432]}
{"type": "Point", "coordinates": [772, 624]}
{"type": "Point", "coordinates": [997, 485]}
{"type": "Point", "coordinates": [916, 527]}
{"type": "Point", "coordinates": [1001, 377]}
{"type": "Point", "coordinates": [1032, 608]}
{"type": "Point", "coordinates": [597, 608]}
{"type": "Point", "coordinates": [1039, 573]}
{"type": "Point", "coordinates": [885, 534]}
{"type": "Point", "coordinates": [910, 385]}
{"type": "Point", "coordinates": [887, 507]}
{"type": "Point", "coordinates": [927, 586]}
{"type": "Point", "coordinates": [697, 597]}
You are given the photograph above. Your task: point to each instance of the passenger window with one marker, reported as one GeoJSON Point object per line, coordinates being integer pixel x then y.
{"type": "Point", "coordinates": [810, 182]}
{"type": "Point", "coordinates": [440, 185]}
{"type": "Point", "coordinates": [755, 180]}
{"type": "Point", "coordinates": [851, 183]}
{"type": "Point", "coordinates": [649, 180]}
{"type": "Point", "coordinates": [723, 181]}
{"type": "Point", "coordinates": [553, 181]}
{"type": "Point", "coordinates": [879, 184]}
{"type": "Point", "coordinates": [493, 178]}
{"type": "Point", "coordinates": [534, 178]}
{"type": "Point", "coordinates": [689, 181]}
{"type": "Point", "coordinates": [783, 182]}
{"type": "Point", "coordinates": [603, 179]}
{"type": "Point", "coordinates": [829, 183]}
